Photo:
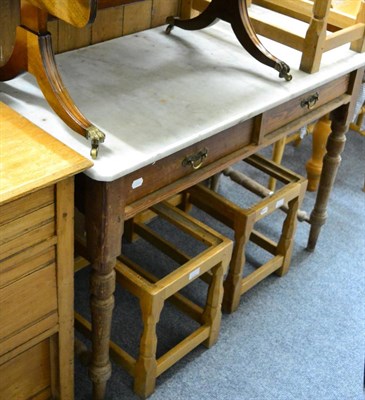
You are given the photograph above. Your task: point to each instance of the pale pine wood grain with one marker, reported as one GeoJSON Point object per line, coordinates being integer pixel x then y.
{"type": "Point", "coordinates": [36, 253]}
{"type": "Point", "coordinates": [53, 30]}
{"type": "Point", "coordinates": [26, 205]}
{"type": "Point", "coordinates": [108, 24]}
{"type": "Point", "coordinates": [28, 239]}
{"type": "Point", "coordinates": [26, 373]}
{"type": "Point", "coordinates": [162, 9]}
{"type": "Point", "coordinates": [31, 159]}
{"type": "Point", "coordinates": [137, 17]}
{"type": "Point", "coordinates": [23, 264]}
{"type": "Point", "coordinates": [65, 284]}
{"type": "Point", "coordinates": [38, 299]}
{"type": "Point", "coordinates": [70, 38]}
{"type": "Point", "coordinates": [75, 12]}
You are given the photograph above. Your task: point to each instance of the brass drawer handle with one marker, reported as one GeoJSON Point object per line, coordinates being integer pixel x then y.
{"type": "Point", "coordinates": [310, 102]}
{"type": "Point", "coordinates": [196, 160]}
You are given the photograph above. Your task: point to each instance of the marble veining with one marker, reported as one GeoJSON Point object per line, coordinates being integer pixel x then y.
{"type": "Point", "coordinates": [154, 94]}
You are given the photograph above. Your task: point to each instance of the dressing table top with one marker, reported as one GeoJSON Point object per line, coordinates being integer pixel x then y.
{"type": "Point", "coordinates": [154, 94]}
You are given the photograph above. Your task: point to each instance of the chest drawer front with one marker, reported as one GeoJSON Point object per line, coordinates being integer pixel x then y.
{"type": "Point", "coordinates": [300, 106]}
{"type": "Point", "coordinates": [26, 222]}
{"type": "Point", "coordinates": [174, 167]}
{"type": "Point", "coordinates": [24, 263]}
{"type": "Point", "coordinates": [27, 204]}
{"type": "Point", "coordinates": [27, 301]}
{"type": "Point", "coordinates": [27, 376]}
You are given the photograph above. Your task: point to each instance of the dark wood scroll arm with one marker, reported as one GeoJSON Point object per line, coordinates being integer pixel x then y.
{"type": "Point", "coordinates": [235, 13]}
{"type": "Point", "coordinates": [33, 53]}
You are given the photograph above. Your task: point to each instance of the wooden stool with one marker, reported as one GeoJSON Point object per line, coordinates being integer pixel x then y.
{"type": "Point", "coordinates": [152, 293]}
{"type": "Point", "coordinates": [242, 220]}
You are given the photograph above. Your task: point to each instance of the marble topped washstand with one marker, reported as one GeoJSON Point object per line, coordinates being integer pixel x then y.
{"type": "Point", "coordinates": [171, 104]}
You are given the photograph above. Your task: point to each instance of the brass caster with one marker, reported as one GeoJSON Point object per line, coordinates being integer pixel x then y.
{"type": "Point", "coordinates": [288, 77]}
{"type": "Point", "coordinates": [96, 136]}
{"type": "Point", "coordinates": [284, 70]}
{"type": "Point", "coordinates": [94, 152]}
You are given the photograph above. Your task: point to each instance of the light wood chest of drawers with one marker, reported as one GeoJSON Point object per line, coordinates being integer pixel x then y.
{"type": "Point", "coordinates": [36, 261]}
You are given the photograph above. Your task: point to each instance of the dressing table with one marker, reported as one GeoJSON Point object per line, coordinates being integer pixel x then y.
{"type": "Point", "coordinates": [177, 109]}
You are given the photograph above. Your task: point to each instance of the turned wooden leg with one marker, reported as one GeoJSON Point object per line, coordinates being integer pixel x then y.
{"type": "Point", "coordinates": [102, 303]}
{"type": "Point", "coordinates": [146, 366]}
{"type": "Point", "coordinates": [331, 162]}
{"type": "Point", "coordinates": [104, 227]}
{"type": "Point", "coordinates": [277, 156]}
{"type": "Point", "coordinates": [321, 131]}
{"type": "Point", "coordinates": [232, 284]}
{"type": "Point", "coordinates": [213, 310]}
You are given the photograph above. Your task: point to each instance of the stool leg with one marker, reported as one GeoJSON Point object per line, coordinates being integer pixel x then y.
{"type": "Point", "coordinates": [286, 242]}
{"type": "Point", "coordinates": [212, 314]}
{"type": "Point", "coordinates": [146, 365]}
{"type": "Point", "coordinates": [277, 156]}
{"type": "Point", "coordinates": [232, 284]}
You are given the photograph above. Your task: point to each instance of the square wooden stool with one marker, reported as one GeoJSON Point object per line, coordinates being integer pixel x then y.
{"type": "Point", "coordinates": [242, 221]}
{"type": "Point", "coordinates": [152, 293]}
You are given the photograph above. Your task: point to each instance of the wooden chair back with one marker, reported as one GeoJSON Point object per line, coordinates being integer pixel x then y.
{"type": "Point", "coordinates": [330, 24]}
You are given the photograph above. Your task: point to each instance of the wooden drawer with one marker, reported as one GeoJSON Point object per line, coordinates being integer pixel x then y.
{"type": "Point", "coordinates": [26, 222]}
{"type": "Point", "coordinates": [238, 141]}
{"type": "Point", "coordinates": [27, 376]}
{"type": "Point", "coordinates": [27, 204]}
{"type": "Point", "coordinates": [297, 108]}
{"type": "Point", "coordinates": [27, 302]}
{"type": "Point", "coordinates": [24, 263]}
{"type": "Point", "coordinates": [169, 169]}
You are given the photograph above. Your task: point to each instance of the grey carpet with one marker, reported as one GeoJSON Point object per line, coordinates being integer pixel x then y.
{"type": "Point", "coordinates": [299, 337]}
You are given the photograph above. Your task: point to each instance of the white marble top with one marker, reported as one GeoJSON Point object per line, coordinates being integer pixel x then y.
{"type": "Point", "coordinates": [154, 94]}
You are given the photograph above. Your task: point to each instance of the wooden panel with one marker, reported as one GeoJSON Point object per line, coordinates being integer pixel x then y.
{"type": "Point", "coordinates": [292, 110]}
{"type": "Point", "coordinates": [27, 301]}
{"type": "Point", "coordinates": [162, 9]}
{"type": "Point", "coordinates": [52, 28]}
{"type": "Point", "coordinates": [27, 338]}
{"type": "Point", "coordinates": [27, 375]}
{"type": "Point", "coordinates": [28, 240]}
{"type": "Point", "coordinates": [70, 37]}
{"type": "Point", "coordinates": [23, 263]}
{"type": "Point", "coordinates": [114, 18]}
{"type": "Point", "coordinates": [27, 223]}
{"type": "Point", "coordinates": [114, 3]}
{"type": "Point", "coordinates": [29, 203]}
{"type": "Point", "coordinates": [137, 17]}
{"type": "Point", "coordinates": [108, 24]}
